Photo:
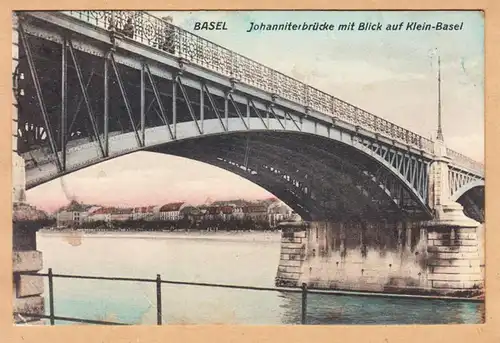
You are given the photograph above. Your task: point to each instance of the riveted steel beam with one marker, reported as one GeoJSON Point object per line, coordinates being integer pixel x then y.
{"type": "Point", "coordinates": [188, 103]}
{"type": "Point", "coordinates": [252, 105]}
{"type": "Point", "coordinates": [158, 100]}
{"type": "Point", "coordinates": [38, 89]}
{"type": "Point", "coordinates": [247, 108]}
{"type": "Point", "coordinates": [214, 107]}
{"type": "Point", "coordinates": [407, 173]}
{"type": "Point", "coordinates": [400, 163]}
{"type": "Point", "coordinates": [271, 110]}
{"type": "Point", "coordinates": [202, 106]}
{"type": "Point", "coordinates": [106, 105]}
{"type": "Point", "coordinates": [414, 172]}
{"type": "Point", "coordinates": [80, 102]}
{"type": "Point", "coordinates": [125, 100]}
{"type": "Point", "coordinates": [230, 96]}
{"type": "Point", "coordinates": [226, 109]}
{"type": "Point", "coordinates": [86, 97]}
{"type": "Point", "coordinates": [64, 102]}
{"type": "Point", "coordinates": [393, 159]}
{"type": "Point", "coordinates": [293, 120]}
{"type": "Point", "coordinates": [143, 104]}
{"type": "Point", "coordinates": [174, 107]}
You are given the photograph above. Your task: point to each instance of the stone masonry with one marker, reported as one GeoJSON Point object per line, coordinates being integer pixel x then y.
{"type": "Point", "coordinates": [27, 289]}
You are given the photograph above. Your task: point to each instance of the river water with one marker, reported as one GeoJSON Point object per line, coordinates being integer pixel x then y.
{"type": "Point", "coordinates": [248, 259]}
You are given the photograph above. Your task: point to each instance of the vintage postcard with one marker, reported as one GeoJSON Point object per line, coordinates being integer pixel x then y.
{"type": "Point", "coordinates": [248, 167]}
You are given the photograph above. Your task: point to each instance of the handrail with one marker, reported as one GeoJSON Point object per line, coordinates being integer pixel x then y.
{"type": "Point", "coordinates": [68, 319]}
{"type": "Point", "coordinates": [155, 32]}
{"type": "Point", "coordinates": [464, 161]}
{"type": "Point", "coordinates": [304, 290]}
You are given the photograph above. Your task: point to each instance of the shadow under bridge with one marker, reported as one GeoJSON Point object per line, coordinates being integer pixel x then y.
{"type": "Point", "coordinates": [319, 178]}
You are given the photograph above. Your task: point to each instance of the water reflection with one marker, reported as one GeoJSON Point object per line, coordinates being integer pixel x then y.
{"type": "Point", "coordinates": [342, 309]}
{"type": "Point", "coordinates": [242, 260]}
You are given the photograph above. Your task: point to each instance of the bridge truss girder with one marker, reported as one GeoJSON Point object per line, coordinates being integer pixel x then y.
{"type": "Point", "coordinates": [339, 187]}
{"type": "Point", "coordinates": [106, 91]}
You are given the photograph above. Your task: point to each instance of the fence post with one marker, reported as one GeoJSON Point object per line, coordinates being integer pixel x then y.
{"type": "Point", "coordinates": [51, 297]}
{"type": "Point", "coordinates": [158, 300]}
{"type": "Point", "coordinates": [304, 303]}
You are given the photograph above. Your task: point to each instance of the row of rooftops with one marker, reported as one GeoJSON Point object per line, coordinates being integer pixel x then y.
{"type": "Point", "coordinates": [213, 209]}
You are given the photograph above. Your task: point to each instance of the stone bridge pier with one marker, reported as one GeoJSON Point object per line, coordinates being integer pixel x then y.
{"type": "Point", "coordinates": [398, 257]}
{"type": "Point", "coordinates": [27, 289]}
{"type": "Point", "coordinates": [26, 220]}
{"type": "Point", "coordinates": [442, 256]}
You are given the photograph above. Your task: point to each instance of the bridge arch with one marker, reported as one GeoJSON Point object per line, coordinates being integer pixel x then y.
{"type": "Point", "coordinates": [471, 197]}
{"type": "Point", "coordinates": [466, 188]}
{"type": "Point", "coordinates": [314, 151]}
{"type": "Point", "coordinates": [318, 176]}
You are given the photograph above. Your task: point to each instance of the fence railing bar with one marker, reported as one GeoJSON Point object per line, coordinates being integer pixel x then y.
{"type": "Point", "coordinates": [303, 316]}
{"type": "Point", "coordinates": [104, 278]}
{"type": "Point", "coordinates": [51, 297]}
{"type": "Point", "coordinates": [310, 290]}
{"type": "Point", "coordinates": [253, 288]}
{"type": "Point", "coordinates": [108, 278]}
{"type": "Point", "coordinates": [175, 282]}
{"type": "Point", "coordinates": [69, 319]}
{"type": "Point", "coordinates": [159, 316]}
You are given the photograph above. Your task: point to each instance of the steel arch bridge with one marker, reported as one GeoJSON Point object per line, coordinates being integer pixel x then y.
{"type": "Point", "coordinates": [86, 92]}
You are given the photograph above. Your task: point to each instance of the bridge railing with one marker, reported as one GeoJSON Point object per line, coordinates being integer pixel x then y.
{"type": "Point", "coordinates": [158, 33]}
{"type": "Point", "coordinates": [464, 161]}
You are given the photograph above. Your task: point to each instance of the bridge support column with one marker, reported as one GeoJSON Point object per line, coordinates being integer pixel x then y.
{"type": "Point", "coordinates": [27, 290]}
{"type": "Point", "coordinates": [362, 256]}
{"type": "Point", "coordinates": [26, 220]}
{"type": "Point", "coordinates": [454, 262]}
{"type": "Point", "coordinates": [293, 253]}
{"type": "Point", "coordinates": [391, 257]}
{"type": "Point", "coordinates": [454, 240]}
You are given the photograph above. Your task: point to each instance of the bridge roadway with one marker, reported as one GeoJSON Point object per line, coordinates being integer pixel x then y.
{"type": "Point", "coordinates": [105, 95]}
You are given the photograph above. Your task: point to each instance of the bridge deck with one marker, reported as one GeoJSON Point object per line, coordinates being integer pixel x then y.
{"type": "Point", "coordinates": [152, 31]}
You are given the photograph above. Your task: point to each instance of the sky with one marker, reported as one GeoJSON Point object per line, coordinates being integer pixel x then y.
{"type": "Point", "coordinates": [392, 74]}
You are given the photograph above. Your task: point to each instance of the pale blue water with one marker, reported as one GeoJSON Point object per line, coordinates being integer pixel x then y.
{"type": "Point", "coordinates": [248, 259]}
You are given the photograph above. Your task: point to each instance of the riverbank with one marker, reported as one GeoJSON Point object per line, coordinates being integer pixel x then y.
{"type": "Point", "coordinates": [127, 230]}
{"type": "Point", "coordinates": [221, 235]}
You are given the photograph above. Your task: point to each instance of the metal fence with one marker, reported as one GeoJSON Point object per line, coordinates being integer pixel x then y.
{"type": "Point", "coordinates": [304, 291]}
{"type": "Point", "coordinates": [158, 282]}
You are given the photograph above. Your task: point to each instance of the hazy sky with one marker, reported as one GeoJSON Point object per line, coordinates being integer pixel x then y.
{"type": "Point", "coordinates": [391, 74]}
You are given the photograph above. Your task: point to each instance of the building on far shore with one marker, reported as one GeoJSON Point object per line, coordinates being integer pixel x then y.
{"type": "Point", "coordinates": [191, 213]}
{"type": "Point", "coordinates": [256, 212]}
{"type": "Point", "coordinates": [171, 211]}
{"type": "Point", "coordinates": [278, 211]}
{"type": "Point", "coordinates": [271, 211]}
{"type": "Point", "coordinates": [121, 214]}
{"type": "Point", "coordinates": [145, 213]}
{"type": "Point", "coordinates": [102, 214]}
{"type": "Point", "coordinates": [65, 218]}
{"type": "Point", "coordinates": [73, 213]}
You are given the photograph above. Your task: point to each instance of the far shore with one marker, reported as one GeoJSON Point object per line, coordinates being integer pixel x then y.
{"type": "Point", "coordinates": [254, 235]}
{"type": "Point", "coordinates": [184, 231]}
